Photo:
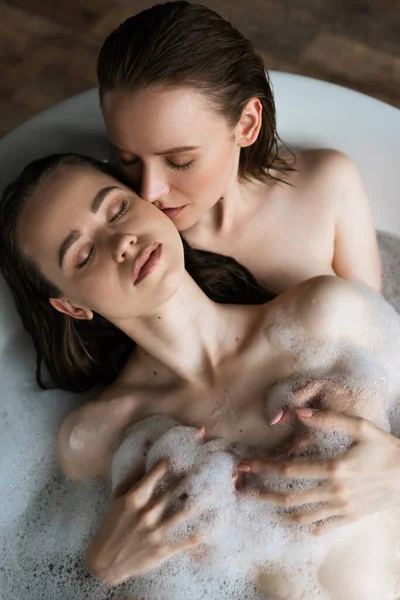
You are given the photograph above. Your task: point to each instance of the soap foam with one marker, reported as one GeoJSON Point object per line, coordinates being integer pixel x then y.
{"type": "Point", "coordinates": [243, 535]}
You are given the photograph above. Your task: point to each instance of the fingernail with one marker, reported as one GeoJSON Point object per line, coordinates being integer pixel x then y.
{"type": "Point", "coordinates": [243, 467]}
{"type": "Point", "coordinates": [201, 432]}
{"type": "Point", "coordinates": [277, 418]}
{"type": "Point", "coordinates": [304, 412]}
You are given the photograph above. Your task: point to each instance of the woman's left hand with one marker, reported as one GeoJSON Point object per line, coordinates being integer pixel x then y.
{"type": "Point", "coordinates": [364, 480]}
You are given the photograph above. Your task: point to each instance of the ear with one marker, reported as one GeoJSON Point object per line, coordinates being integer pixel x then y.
{"type": "Point", "coordinates": [63, 305]}
{"type": "Point", "coordinates": [249, 125]}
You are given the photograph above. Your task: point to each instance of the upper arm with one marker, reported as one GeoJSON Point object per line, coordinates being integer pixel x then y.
{"type": "Point", "coordinates": [71, 454]}
{"type": "Point", "coordinates": [89, 435]}
{"type": "Point", "coordinates": [356, 253]}
{"type": "Point", "coordinates": [80, 454]}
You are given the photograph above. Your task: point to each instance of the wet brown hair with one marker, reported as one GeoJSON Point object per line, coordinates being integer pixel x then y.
{"type": "Point", "coordinates": [81, 354]}
{"type": "Point", "coordinates": [183, 44]}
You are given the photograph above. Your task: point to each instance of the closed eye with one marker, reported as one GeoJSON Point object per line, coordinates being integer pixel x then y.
{"type": "Point", "coordinates": [122, 210]}
{"type": "Point", "coordinates": [87, 260]}
{"type": "Point", "coordinates": [183, 167]}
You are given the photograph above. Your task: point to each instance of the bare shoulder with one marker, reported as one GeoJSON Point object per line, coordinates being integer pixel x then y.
{"type": "Point", "coordinates": [322, 163]}
{"type": "Point", "coordinates": [323, 180]}
{"type": "Point", "coordinates": [89, 434]}
{"type": "Point", "coordinates": [330, 308]}
{"type": "Point", "coordinates": [325, 308]}
{"type": "Point", "coordinates": [327, 291]}
{"type": "Point", "coordinates": [322, 173]}
{"type": "Point", "coordinates": [329, 181]}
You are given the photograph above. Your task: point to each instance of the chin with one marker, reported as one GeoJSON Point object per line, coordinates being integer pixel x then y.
{"type": "Point", "coordinates": [184, 227]}
{"type": "Point", "coordinates": [189, 220]}
{"type": "Point", "coordinates": [185, 224]}
{"type": "Point", "coordinates": [189, 224]}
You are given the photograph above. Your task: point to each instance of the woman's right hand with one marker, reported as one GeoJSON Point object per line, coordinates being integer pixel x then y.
{"type": "Point", "coordinates": [132, 538]}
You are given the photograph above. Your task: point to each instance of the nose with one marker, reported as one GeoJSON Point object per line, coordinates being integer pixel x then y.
{"type": "Point", "coordinates": [154, 185]}
{"type": "Point", "coordinates": [124, 246]}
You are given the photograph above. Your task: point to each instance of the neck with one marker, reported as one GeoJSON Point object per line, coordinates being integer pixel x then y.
{"type": "Point", "coordinates": [186, 333]}
{"type": "Point", "coordinates": [228, 210]}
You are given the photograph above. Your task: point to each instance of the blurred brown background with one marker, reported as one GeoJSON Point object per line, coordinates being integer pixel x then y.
{"type": "Point", "coordinates": [48, 48]}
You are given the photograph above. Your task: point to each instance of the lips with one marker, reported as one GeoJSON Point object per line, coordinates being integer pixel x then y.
{"type": "Point", "coordinates": [173, 212]}
{"type": "Point", "coordinates": [146, 262]}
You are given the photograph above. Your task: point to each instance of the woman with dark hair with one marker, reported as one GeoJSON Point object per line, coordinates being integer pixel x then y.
{"type": "Point", "coordinates": [84, 255]}
{"type": "Point", "coordinates": [76, 356]}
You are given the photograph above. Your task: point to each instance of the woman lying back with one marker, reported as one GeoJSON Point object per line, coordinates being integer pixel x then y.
{"type": "Point", "coordinates": [79, 241]}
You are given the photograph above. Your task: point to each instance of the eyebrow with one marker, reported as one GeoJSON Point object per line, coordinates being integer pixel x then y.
{"type": "Point", "coordinates": [67, 243]}
{"type": "Point", "coordinates": [175, 150]}
{"type": "Point", "coordinates": [76, 233]}
{"type": "Point", "coordinates": [101, 196]}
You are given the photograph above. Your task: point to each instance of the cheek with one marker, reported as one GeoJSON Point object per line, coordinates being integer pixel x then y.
{"type": "Point", "coordinates": [213, 171]}
{"type": "Point", "coordinates": [90, 290]}
{"type": "Point", "coordinates": [223, 160]}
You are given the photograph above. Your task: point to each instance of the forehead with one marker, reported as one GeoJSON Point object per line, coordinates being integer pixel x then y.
{"type": "Point", "coordinates": [155, 118]}
{"type": "Point", "coordinates": [55, 206]}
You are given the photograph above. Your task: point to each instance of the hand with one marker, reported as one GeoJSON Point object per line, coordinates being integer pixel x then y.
{"type": "Point", "coordinates": [132, 538]}
{"type": "Point", "coordinates": [364, 480]}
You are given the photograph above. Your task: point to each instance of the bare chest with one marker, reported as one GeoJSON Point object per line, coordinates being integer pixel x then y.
{"type": "Point", "coordinates": [234, 407]}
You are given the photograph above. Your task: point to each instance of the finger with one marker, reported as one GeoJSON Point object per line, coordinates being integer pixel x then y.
{"type": "Point", "coordinates": [319, 494]}
{"type": "Point", "coordinates": [127, 484]}
{"type": "Point", "coordinates": [287, 468]}
{"type": "Point", "coordinates": [144, 489]}
{"type": "Point", "coordinates": [201, 434]}
{"type": "Point", "coordinates": [163, 553]}
{"type": "Point", "coordinates": [178, 517]}
{"type": "Point", "coordinates": [159, 504]}
{"type": "Point", "coordinates": [302, 444]}
{"type": "Point", "coordinates": [281, 417]}
{"type": "Point", "coordinates": [325, 528]}
{"type": "Point", "coordinates": [356, 427]}
{"type": "Point", "coordinates": [308, 390]}
{"type": "Point", "coordinates": [181, 546]}
{"type": "Point", "coordinates": [287, 415]}
{"type": "Point", "coordinates": [311, 516]}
